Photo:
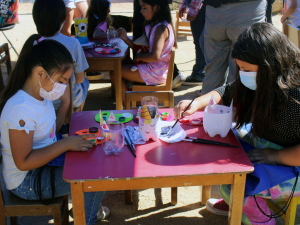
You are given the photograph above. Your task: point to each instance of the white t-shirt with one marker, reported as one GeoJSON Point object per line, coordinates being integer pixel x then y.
{"type": "Point", "coordinates": [38, 116]}
{"type": "Point", "coordinates": [295, 17]}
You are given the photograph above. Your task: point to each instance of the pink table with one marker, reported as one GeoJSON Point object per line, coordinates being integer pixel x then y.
{"type": "Point", "coordinates": [158, 164]}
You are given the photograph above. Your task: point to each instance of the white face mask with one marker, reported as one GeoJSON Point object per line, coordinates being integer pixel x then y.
{"type": "Point", "coordinates": [248, 79]}
{"type": "Point", "coordinates": [57, 91]}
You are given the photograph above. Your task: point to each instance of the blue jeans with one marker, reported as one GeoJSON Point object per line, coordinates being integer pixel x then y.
{"type": "Point", "coordinates": [197, 27]}
{"type": "Point", "coordinates": [26, 190]}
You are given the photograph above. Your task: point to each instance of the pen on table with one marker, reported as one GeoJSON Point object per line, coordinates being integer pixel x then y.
{"type": "Point", "coordinates": [129, 145]}
{"type": "Point", "coordinates": [209, 143]}
{"type": "Point", "coordinates": [92, 53]}
{"type": "Point", "coordinates": [218, 142]}
{"type": "Point", "coordinates": [130, 140]}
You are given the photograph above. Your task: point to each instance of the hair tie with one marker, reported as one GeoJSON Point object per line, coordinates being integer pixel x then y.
{"type": "Point", "coordinates": [109, 3]}
{"type": "Point", "coordinates": [96, 16]}
{"type": "Point", "coordinates": [38, 41]}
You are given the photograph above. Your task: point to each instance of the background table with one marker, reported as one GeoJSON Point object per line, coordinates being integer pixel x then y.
{"type": "Point", "coordinates": [158, 164]}
{"type": "Point", "coordinates": [110, 62]}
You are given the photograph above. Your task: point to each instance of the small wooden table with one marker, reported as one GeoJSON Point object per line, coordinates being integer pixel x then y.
{"type": "Point", "coordinates": [158, 164]}
{"type": "Point", "coordinates": [101, 62]}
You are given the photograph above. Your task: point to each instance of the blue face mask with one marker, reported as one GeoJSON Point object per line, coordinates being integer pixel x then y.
{"type": "Point", "coordinates": [248, 79]}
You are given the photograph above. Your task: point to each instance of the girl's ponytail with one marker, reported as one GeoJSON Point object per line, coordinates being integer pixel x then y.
{"type": "Point", "coordinates": [49, 54]}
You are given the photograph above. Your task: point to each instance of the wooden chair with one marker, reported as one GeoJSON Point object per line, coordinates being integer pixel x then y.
{"type": "Point", "coordinates": [293, 33]}
{"type": "Point", "coordinates": [4, 57]}
{"type": "Point", "coordinates": [186, 31]}
{"type": "Point", "coordinates": [13, 206]}
{"type": "Point", "coordinates": [290, 215]}
{"type": "Point", "coordinates": [131, 97]}
{"type": "Point", "coordinates": [71, 109]}
{"type": "Point", "coordinates": [161, 87]}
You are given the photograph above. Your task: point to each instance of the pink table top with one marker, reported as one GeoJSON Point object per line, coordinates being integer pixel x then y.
{"type": "Point", "coordinates": [121, 45]}
{"type": "Point", "coordinates": [154, 159]}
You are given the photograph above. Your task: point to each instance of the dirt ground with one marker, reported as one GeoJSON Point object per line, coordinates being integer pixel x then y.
{"type": "Point", "coordinates": [151, 206]}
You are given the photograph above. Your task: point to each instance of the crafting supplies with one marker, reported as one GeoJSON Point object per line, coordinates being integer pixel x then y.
{"type": "Point", "coordinates": [203, 141]}
{"type": "Point", "coordinates": [92, 130]}
{"type": "Point", "coordinates": [106, 114]}
{"type": "Point", "coordinates": [129, 143]}
{"type": "Point", "coordinates": [107, 50]}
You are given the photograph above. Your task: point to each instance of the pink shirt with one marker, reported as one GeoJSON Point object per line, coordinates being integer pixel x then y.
{"type": "Point", "coordinates": [102, 26]}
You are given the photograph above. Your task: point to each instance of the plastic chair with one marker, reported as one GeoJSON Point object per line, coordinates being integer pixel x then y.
{"type": "Point", "coordinates": [180, 31]}
{"type": "Point", "coordinates": [290, 215]}
{"type": "Point", "coordinates": [12, 206]}
{"type": "Point", "coordinates": [5, 28]}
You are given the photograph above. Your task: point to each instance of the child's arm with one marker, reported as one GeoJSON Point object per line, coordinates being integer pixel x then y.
{"type": "Point", "coordinates": [99, 34]}
{"type": "Point", "coordinates": [161, 34]}
{"type": "Point", "coordinates": [293, 7]}
{"type": "Point", "coordinates": [79, 77]}
{"type": "Point", "coordinates": [26, 158]}
{"type": "Point", "coordinates": [286, 156]}
{"type": "Point", "coordinates": [123, 35]}
{"type": "Point", "coordinates": [62, 110]}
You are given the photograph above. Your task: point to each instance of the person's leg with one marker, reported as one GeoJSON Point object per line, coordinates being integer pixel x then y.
{"type": "Point", "coordinates": [81, 8]}
{"type": "Point", "coordinates": [26, 190]}
{"type": "Point", "coordinates": [216, 48]}
{"type": "Point", "coordinates": [66, 29]}
{"type": "Point", "coordinates": [127, 75]}
{"type": "Point", "coordinates": [244, 14]}
{"type": "Point", "coordinates": [197, 27]}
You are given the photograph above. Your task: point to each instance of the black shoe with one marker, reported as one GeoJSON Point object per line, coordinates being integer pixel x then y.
{"type": "Point", "coordinates": [192, 81]}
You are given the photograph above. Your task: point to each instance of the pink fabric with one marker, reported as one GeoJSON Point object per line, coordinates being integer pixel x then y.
{"type": "Point", "coordinates": [154, 73]}
{"type": "Point", "coordinates": [254, 214]}
{"type": "Point", "coordinates": [194, 7]}
{"type": "Point", "coordinates": [102, 26]}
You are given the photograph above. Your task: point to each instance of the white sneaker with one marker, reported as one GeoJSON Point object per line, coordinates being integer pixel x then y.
{"type": "Point", "coordinates": [217, 207]}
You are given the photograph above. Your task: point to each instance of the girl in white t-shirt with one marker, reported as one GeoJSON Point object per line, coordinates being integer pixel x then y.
{"type": "Point", "coordinates": [292, 13]}
{"type": "Point", "coordinates": [29, 122]}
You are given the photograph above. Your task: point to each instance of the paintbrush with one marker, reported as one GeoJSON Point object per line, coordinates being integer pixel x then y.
{"type": "Point", "coordinates": [218, 142]}
{"type": "Point", "coordinates": [210, 143]}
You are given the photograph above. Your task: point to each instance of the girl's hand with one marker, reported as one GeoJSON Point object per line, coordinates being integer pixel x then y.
{"type": "Point", "coordinates": [283, 18]}
{"type": "Point", "coordinates": [65, 98]}
{"type": "Point", "coordinates": [122, 33]}
{"type": "Point", "coordinates": [79, 142]}
{"type": "Point", "coordinates": [264, 156]}
{"type": "Point", "coordinates": [181, 106]}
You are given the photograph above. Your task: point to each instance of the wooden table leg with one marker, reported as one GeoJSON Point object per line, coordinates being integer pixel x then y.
{"type": "Point", "coordinates": [118, 84]}
{"type": "Point", "coordinates": [174, 195]}
{"type": "Point", "coordinates": [236, 199]}
{"type": "Point", "coordinates": [128, 197]}
{"type": "Point", "coordinates": [78, 203]}
{"type": "Point", "coordinates": [206, 192]}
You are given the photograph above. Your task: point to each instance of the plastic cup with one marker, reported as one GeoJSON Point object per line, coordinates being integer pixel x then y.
{"type": "Point", "coordinates": [114, 139]}
{"type": "Point", "coordinates": [152, 104]}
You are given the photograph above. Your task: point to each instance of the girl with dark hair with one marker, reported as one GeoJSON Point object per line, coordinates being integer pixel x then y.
{"type": "Point", "coordinates": [98, 18]}
{"type": "Point", "coordinates": [266, 95]}
{"type": "Point", "coordinates": [159, 31]}
{"type": "Point", "coordinates": [29, 122]}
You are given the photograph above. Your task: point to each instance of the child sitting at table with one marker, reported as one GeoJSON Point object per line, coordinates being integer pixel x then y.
{"type": "Point", "coordinates": [159, 31]}
{"type": "Point", "coordinates": [29, 123]}
{"type": "Point", "coordinates": [266, 93]}
{"type": "Point", "coordinates": [48, 17]}
{"type": "Point", "coordinates": [98, 18]}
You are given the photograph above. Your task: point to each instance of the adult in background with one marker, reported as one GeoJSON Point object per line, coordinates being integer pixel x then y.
{"type": "Point", "coordinates": [225, 21]}
{"type": "Point", "coordinates": [196, 16]}
{"type": "Point", "coordinates": [138, 30]}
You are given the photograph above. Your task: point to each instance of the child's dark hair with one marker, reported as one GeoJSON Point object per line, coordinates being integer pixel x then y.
{"type": "Point", "coordinates": [49, 54]}
{"type": "Point", "coordinates": [48, 16]}
{"type": "Point", "coordinates": [98, 12]}
{"type": "Point", "coordinates": [278, 61]}
{"type": "Point", "coordinates": [163, 14]}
